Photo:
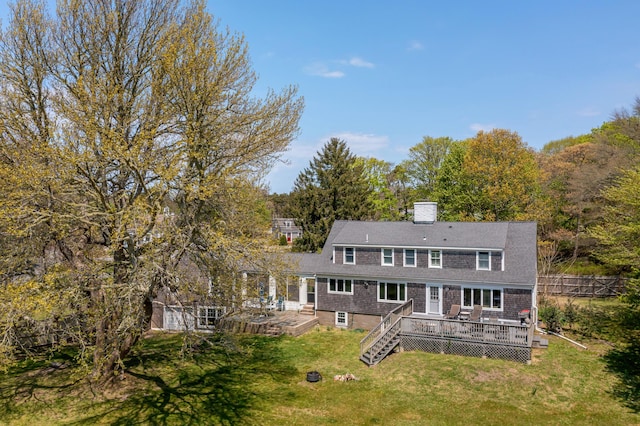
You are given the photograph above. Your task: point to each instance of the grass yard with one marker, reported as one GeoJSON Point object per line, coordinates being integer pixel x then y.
{"type": "Point", "coordinates": [258, 380]}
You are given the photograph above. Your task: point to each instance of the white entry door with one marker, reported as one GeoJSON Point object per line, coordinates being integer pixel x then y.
{"type": "Point", "coordinates": [434, 299]}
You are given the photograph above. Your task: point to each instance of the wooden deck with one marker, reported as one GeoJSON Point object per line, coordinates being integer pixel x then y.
{"type": "Point", "coordinates": [274, 323]}
{"type": "Point", "coordinates": [406, 330]}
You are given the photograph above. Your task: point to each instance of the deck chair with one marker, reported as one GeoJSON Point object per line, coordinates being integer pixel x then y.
{"type": "Point", "coordinates": [270, 305]}
{"type": "Point", "coordinates": [453, 312]}
{"type": "Point", "coordinates": [476, 313]}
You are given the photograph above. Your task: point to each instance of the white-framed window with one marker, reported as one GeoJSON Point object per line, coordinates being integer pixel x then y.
{"type": "Point", "coordinates": [392, 292]}
{"type": "Point", "coordinates": [387, 256]}
{"type": "Point", "coordinates": [483, 260]}
{"type": "Point", "coordinates": [349, 255]}
{"type": "Point", "coordinates": [435, 258]}
{"type": "Point", "coordinates": [409, 257]}
{"type": "Point", "coordinates": [342, 319]}
{"type": "Point", "coordinates": [207, 315]}
{"type": "Point", "coordinates": [489, 298]}
{"type": "Point", "coordinates": [339, 285]}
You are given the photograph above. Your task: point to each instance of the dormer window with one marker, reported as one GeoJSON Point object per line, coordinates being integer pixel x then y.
{"type": "Point", "coordinates": [483, 260]}
{"type": "Point", "coordinates": [387, 256]}
{"type": "Point", "coordinates": [435, 258]}
{"type": "Point", "coordinates": [409, 257]}
{"type": "Point", "coordinates": [349, 256]}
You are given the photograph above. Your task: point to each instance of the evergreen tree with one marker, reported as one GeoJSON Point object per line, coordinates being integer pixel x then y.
{"type": "Point", "coordinates": [333, 187]}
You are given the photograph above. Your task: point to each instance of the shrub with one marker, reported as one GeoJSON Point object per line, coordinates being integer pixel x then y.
{"type": "Point", "coordinates": [552, 316]}
{"type": "Point", "coordinates": [571, 313]}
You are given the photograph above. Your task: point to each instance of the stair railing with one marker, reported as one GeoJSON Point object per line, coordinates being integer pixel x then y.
{"type": "Point", "coordinates": [378, 332]}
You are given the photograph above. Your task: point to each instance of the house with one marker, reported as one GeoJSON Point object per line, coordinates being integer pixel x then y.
{"type": "Point", "coordinates": [366, 269]}
{"type": "Point", "coordinates": [205, 303]}
{"type": "Point", "coordinates": [401, 279]}
{"type": "Point", "coordinates": [286, 227]}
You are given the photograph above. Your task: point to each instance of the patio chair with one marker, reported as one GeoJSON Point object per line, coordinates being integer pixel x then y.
{"type": "Point", "coordinates": [453, 313]}
{"type": "Point", "coordinates": [271, 304]}
{"type": "Point", "coordinates": [476, 313]}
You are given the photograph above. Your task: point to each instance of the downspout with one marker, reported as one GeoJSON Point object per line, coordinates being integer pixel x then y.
{"type": "Point", "coordinates": [566, 338]}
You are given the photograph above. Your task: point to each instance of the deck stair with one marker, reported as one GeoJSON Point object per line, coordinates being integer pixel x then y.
{"type": "Point", "coordinates": [308, 309]}
{"type": "Point", "coordinates": [386, 344]}
{"type": "Point", "coordinates": [539, 342]}
{"type": "Point", "coordinates": [385, 337]}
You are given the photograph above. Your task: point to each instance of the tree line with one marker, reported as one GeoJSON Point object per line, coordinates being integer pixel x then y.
{"type": "Point", "coordinates": [582, 190]}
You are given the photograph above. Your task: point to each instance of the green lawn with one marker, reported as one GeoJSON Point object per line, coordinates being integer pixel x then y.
{"type": "Point", "coordinates": [259, 380]}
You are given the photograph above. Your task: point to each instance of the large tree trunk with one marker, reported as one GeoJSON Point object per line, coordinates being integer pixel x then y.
{"type": "Point", "coordinates": [120, 318]}
{"type": "Point", "coordinates": [117, 331]}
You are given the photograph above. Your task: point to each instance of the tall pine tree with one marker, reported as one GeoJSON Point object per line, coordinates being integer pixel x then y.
{"type": "Point", "coordinates": [333, 187]}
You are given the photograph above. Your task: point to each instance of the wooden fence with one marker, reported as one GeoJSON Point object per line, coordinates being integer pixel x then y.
{"type": "Point", "coordinates": [581, 285]}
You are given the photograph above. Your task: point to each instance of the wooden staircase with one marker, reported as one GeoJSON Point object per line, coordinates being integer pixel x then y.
{"type": "Point", "coordinates": [385, 337]}
{"type": "Point", "coordinates": [308, 309]}
{"type": "Point", "coordinates": [382, 348]}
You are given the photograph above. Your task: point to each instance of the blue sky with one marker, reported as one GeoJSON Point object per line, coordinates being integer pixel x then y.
{"type": "Point", "coordinates": [381, 74]}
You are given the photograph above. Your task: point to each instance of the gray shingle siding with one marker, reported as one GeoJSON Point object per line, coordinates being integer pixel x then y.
{"type": "Point", "coordinates": [515, 300]}
{"type": "Point", "coordinates": [457, 259]}
{"type": "Point", "coordinates": [368, 256]}
{"type": "Point", "coordinates": [496, 261]}
{"type": "Point", "coordinates": [364, 299]}
{"type": "Point", "coordinates": [338, 255]}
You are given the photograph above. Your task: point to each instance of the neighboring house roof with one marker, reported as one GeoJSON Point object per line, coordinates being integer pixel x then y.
{"type": "Point", "coordinates": [517, 240]}
{"type": "Point", "coordinates": [303, 263]}
{"type": "Point", "coordinates": [284, 224]}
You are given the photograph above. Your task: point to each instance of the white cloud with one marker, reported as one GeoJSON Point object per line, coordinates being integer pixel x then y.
{"type": "Point", "coordinates": [305, 151]}
{"type": "Point", "coordinates": [359, 62]}
{"type": "Point", "coordinates": [476, 127]}
{"type": "Point", "coordinates": [415, 45]}
{"type": "Point", "coordinates": [320, 69]}
{"type": "Point", "coordinates": [363, 144]}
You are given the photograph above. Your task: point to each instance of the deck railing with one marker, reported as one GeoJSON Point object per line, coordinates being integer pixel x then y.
{"type": "Point", "coordinates": [471, 331]}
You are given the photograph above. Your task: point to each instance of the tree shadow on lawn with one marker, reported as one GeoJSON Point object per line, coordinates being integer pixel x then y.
{"type": "Point", "coordinates": [216, 388]}
{"type": "Point", "coordinates": [30, 380]}
{"type": "Point", "coordinates": [625, 363]}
